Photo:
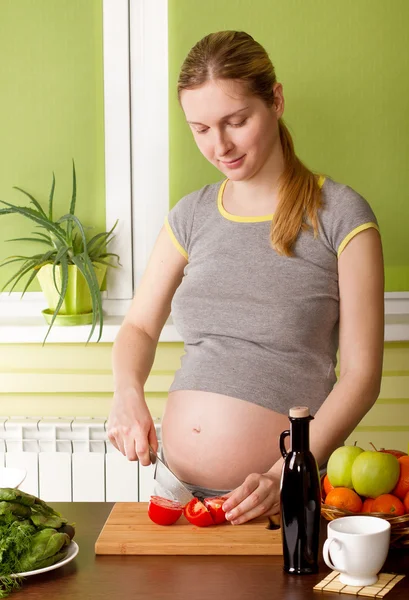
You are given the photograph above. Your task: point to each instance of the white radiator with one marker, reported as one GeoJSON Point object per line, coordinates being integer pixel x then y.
{"type": "Point", "coordinates": [71, 459]}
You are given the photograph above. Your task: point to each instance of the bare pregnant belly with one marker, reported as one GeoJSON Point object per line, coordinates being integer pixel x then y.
{"type": "Point", "coordinates": [215, 441]}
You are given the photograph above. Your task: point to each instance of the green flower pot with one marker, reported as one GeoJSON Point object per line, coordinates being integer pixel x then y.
{"type": "Point", "coordinates": [77, 302]}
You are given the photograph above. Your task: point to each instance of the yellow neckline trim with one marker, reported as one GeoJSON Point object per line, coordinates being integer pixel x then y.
{"type": "Point", "coordinates": [238, 219]}
{"type": "Point", "coordinates": [321, 180]}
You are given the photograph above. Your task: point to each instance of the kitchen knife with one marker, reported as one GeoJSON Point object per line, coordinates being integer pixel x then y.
{"type": "Point", "coordinates": [168, 480]}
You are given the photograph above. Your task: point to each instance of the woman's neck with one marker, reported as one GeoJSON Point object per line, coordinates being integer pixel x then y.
{"type": "Point", "coordinates": [259, 194]}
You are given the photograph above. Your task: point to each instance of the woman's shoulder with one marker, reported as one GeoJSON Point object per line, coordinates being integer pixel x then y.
{"type": "Point", "coordinates": [344, 213]}
{"type": "Point", "coordinates": [191, 209]}
{"type": "Point", "coordinates": [201, 199]}
{"type": "Point", "coordinates": [341, 198]}
{"type": "Point", "coordinates": [337, 191]}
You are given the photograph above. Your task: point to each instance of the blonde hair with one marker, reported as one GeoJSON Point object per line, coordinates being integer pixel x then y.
{"type": "Point", "coordinates": [236, 55]}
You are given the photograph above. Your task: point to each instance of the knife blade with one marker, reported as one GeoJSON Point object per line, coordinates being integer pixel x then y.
{"type": "Point", "coordinates": [168, 480]}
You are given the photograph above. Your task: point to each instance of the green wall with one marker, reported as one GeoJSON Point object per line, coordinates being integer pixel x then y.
{"type": "Point", "coordinates": [345, 71]}
{"type": "Point", "coordinates": [51, 110]}
{"type": "Point", "coordinates": [344, 67]}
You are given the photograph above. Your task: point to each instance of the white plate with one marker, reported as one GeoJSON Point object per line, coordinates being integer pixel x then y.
{"type": "Point", "coordinates": [72, 553]}
{"type": "Point", "coordinates": [11, 477]}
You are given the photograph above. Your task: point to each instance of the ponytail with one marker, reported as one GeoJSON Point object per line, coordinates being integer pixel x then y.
{"type": "Point", "coordinates": [300, 199]}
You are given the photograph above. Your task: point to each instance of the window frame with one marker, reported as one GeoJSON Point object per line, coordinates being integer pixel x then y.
{"type": "Point", "coordinates": [135, 34]}
{"type": "Point", "coordinates": [135, 63]}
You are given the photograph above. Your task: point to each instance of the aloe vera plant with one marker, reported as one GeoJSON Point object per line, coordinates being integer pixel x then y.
{"type": "Point", "coordinates": [65, 244]}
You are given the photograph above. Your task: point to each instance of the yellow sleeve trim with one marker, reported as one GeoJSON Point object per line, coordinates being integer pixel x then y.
{"type": "Point", "coordinates": [353, 233]}
{"type": "Point", "coordinates": [174, 240]}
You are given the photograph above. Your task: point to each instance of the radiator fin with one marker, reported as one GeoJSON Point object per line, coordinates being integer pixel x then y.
{"type": "Point", "coordinates": [71, 459]}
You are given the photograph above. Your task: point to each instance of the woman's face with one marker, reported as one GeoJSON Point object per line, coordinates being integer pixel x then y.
{"type": "Point", "coordinates": [236, 132]}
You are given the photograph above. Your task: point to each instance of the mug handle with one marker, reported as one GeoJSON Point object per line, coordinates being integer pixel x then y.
{"type": "Point", "coordinates": [326, 554]}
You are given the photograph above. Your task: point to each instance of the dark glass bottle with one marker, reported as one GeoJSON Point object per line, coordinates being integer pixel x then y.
{"type": "Point", "coordinates": [300, 497]}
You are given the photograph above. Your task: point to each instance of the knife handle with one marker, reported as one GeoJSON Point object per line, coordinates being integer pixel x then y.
{"type": "Point", "coordinates": [152, 455]}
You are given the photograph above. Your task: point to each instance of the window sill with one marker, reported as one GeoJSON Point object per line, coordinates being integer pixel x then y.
{"type": "Point", "coordinates": [32, 330]}
{"type": "Point", "coordinates": [397, 328]}
{"type": "Point", "coordinates": [29, 327]}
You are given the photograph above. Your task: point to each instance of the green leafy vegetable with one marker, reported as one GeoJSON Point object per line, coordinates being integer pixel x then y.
{"type": "Point", "coordinates": [16, 509]}
{"type": "Point", "coordinates": [14, 542]}
{"type": "Point", "coordinates": [29, 538]}
{"type": "Point", "coordinates": [14, 495]}
{"type": "Point", "coordinates": [44, 546]}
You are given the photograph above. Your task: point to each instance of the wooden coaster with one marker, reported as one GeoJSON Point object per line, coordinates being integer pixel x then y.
{"type": "Point", "coordinates": [386, 581]}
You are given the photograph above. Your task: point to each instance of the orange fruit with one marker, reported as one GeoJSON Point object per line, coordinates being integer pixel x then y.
{"type": "Point", "coordinates": [327, 485]}
{"type": "Point", "coordinates": [402, 487]}
{"type": "Point", "coordinates": [389, 504]}
{"type": "Point", "coordinates": [406, 502]}
{"type": "Point", "coordinates": [367, 505]}
{"type": "Point", "coordinates": [344, 498]}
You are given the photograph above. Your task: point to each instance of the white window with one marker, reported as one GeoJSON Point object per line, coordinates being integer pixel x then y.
{"type": "Point", "coordinates": [135, 55]}
{"type": "Point", "coordinates": [136, 133]}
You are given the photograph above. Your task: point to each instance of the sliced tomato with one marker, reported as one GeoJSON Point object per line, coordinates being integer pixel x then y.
{"type": "Point", "coordinates": [197, 514]}
{"type": "Point", "coordinates": [214, 506]}
{"type": "Point", "coordinates": [163, 511]}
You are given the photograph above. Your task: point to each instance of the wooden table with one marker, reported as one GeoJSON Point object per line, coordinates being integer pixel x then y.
{"type": "Point", "coordinates": [91, 577]}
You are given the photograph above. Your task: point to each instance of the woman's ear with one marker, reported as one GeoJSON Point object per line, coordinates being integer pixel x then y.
{"type": "Point", "coordinates": [278, 104]}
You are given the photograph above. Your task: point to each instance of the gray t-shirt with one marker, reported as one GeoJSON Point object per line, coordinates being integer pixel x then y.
{"type": "Point", "coordinates": [256, 325]}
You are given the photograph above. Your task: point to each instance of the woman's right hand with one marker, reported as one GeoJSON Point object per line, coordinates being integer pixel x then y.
{"type": "Point", "coordinates": [130, 426]}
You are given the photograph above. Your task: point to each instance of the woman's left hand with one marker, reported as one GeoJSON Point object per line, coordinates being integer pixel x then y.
{"type": "Point", "coordinates": [258, 495]}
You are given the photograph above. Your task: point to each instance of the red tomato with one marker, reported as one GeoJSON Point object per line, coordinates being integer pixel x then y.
{"type": "Point", "coordinates": [214, 506]}
{"type": "Point", "coordinates": [197, 514]}
{"type": "Point", "coordinates": [163, 511]}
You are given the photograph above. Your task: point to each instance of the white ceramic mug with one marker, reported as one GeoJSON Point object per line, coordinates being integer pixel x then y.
{"type": "Point", "coordinates": [357, 547]}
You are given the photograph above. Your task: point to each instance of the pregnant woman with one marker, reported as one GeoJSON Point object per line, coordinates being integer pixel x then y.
{"type": "Point", "coordinates": [267, 274]}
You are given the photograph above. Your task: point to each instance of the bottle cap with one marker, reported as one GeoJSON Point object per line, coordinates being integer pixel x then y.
{"type": "Point", "coordinates": [298, 412]}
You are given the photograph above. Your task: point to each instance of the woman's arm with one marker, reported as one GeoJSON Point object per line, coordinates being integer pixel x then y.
{"type": "Point", "coordinates": [130, 425]}
{"type": "Point", "coordinates": [361, 339]}
{"type": "Point", "coordinates": [361, 344]}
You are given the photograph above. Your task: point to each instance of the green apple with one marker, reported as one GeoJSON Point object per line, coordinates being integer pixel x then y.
{"type": "Point", "coordinates": [375, 473]}
{"type": "Point", "coordinates": [340, 465]}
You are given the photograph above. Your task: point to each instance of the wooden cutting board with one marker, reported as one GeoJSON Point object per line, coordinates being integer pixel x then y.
{"type": "Point", "coordinates": [129, 530]}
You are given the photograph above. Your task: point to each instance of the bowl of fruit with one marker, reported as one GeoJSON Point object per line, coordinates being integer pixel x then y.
{"type": "Point", "coordinates": [369, 482]}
